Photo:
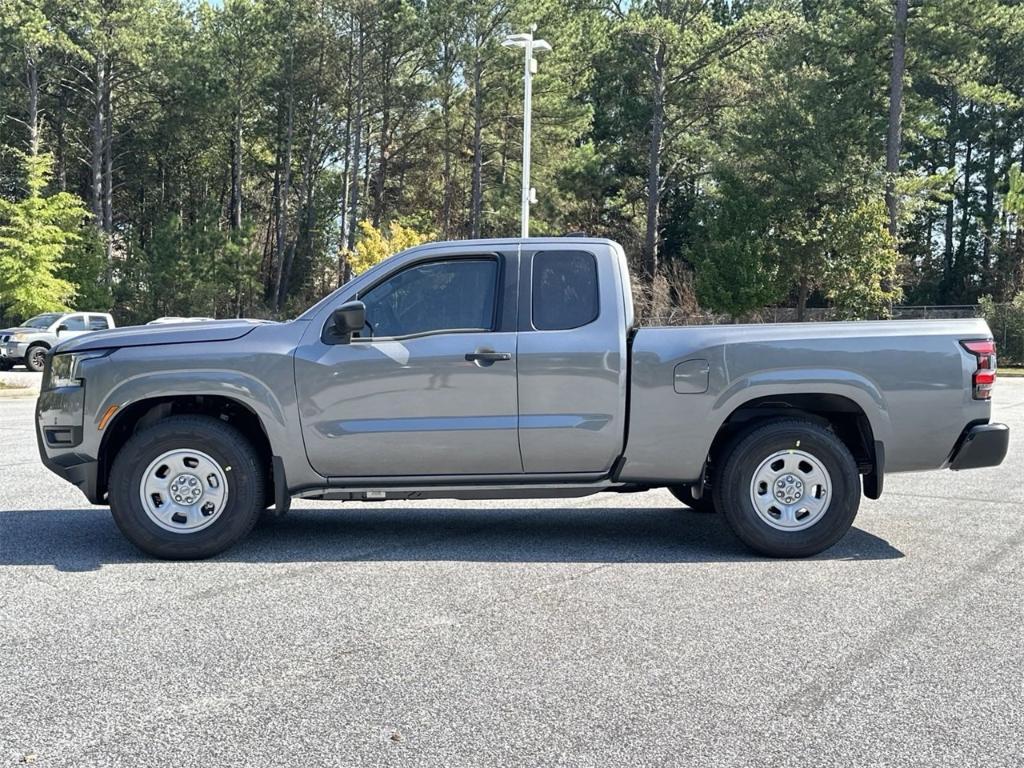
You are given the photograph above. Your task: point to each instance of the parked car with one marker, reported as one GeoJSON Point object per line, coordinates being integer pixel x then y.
{"type": "Point", "coordinates": [30, 341]}
{"type": "Point", "coordinates": [172, 320]}
{"type": "Point", "coordinates": [506, 369]}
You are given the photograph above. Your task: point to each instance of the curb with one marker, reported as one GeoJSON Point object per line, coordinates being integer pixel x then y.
{"type": "Point", "coordinates": [18, 393]}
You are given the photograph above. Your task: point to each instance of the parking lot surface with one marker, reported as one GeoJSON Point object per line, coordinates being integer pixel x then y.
{"type": "Point", "coordinates": [606, 631]}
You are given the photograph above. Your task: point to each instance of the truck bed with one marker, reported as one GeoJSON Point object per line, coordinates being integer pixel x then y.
{"type": "Point", "coordinates": [910, 379]}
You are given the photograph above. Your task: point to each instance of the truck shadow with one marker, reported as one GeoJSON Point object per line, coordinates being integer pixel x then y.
{"type": "Point", "coordinates": [87, 539]}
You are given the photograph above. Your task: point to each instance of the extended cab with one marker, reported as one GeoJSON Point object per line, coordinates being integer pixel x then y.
{"type": "Point", "coordinates": [509, 368]}
{"type": "Point", "coordinates": [30, 341]}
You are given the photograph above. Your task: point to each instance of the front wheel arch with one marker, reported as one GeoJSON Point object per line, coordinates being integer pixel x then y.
{"type": "Point", "coordinates": [32, 349]}
{"type": "Point", "coordinates": [236, 478]}
{"type": "Point", "coordinates": [143, 413]}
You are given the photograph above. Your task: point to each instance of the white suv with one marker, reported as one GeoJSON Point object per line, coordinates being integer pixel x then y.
{"type": "Point", "coordinates": [29, 342]}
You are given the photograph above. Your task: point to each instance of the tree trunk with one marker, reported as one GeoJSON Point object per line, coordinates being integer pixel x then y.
{"type": "Point", "coordinates": [236, 170]}
{"type": "Point", "coordinates": [269, 270]}
{"type": "Point", "coordinates": [801, 298]}
{"type": "Point", "coordinates": [989, 214]}
{"type": "Point", "coordinates": [308, 214]}
{"type": "Point", "coordinates": [960, 267]}
{"type": "Point", "coordinates": [650, 248]}
{"type": "Point", "coordinates": [894, 134]}
{"type": "Point", "coordinates": [357, 136]}
{"type": "Point", "coordinates": [380, 183]}
{"type": "Point", "coordinates": [32, 84]}
{"type": "Point", "coordinates": [947, 251]}
{"type": "Point", "coordinates": [447, 194]}
{"type": "Point", "coordinates": [61, 164]}
{"type": "Point", "coordinates": [96, 134]}
{"type": "Point", "coordinates": [282, 201]}
{"type": "Point", "coordinates": [108, 165]}
{"type": "Point", "coordinates": [476, 203]}
{"type": "Point", "coordinates": [346, 174]}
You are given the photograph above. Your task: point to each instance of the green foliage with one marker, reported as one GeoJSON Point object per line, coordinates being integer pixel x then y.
{"type": "Point", "coordinates": [861, 272]}
{"type": "Point", "coordinates": [1007, 323]}
{"type": "Point", "coordinates": [374, 245]}
{"type": "Point", "coordinates": [85, 267]}
{"type": "Point", "coordinates": [799, 207]}
{"type": "Point", "coordinates": [737, 261]}
{"type": "Point", "coordinates": [1015, 192]}
{"type": "Point", "coordinates": [36, 234]}
{"type": "Point", "coordinates": [228, 150]}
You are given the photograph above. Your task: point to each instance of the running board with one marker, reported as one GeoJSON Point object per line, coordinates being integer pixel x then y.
{"type": "Point", "coordinates": [410, 493]}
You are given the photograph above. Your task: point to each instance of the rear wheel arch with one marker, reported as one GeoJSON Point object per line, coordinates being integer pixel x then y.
{"type": "Point", "coordinates": [137, 416]}
{"type": "Point", "coordinates": [838, 413]}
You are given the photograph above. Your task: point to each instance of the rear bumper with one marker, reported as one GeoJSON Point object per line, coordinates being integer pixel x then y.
{"type": "Point", "coordinates": [983, 445]}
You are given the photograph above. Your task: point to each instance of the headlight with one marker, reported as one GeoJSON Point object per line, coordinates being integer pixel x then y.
{"type": "Point", "coordinates": [65, 369]}
{"type": "Point", "coordinates": [19, 336]}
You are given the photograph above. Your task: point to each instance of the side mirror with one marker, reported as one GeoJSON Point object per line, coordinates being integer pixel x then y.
{"type": "Point", "coordinates": [347, 319]}
{"type": "Point", "coordinates": [61, 327]}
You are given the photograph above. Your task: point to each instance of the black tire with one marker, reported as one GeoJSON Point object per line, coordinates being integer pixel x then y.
{"type": "Point", "coordinates": [684, 493]}
{"type": "Point", "coordinates": [35, 358]}
{"type": "Point", "coordinates": [6, 365]}
{"type": "Point", "coordinates": [225, 445]}
{"type": "Point", "coordinates": [733, 487]}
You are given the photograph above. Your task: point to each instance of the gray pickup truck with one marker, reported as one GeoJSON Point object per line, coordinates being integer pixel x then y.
{"type": "Point", "coordinates": [30, 341]}
{"type": "Point", "coordinates": [502, 369]}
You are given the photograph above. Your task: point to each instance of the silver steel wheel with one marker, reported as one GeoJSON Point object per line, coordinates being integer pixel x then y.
{"type": "Point", "coordinates": [791, 490]}
{"type": "Point", "coordinates": [183, 491]}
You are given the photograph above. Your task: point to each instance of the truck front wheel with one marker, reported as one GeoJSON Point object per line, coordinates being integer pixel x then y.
{"type": "Point", "coordinates": [186, 488]}
{"type": "Point", "coordinates": [35, 358]}
{"type": "Point", "coordinates": [788, 488]}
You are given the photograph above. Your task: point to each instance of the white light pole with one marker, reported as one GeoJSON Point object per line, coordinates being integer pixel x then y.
{"type": "Point", "coordinates": [525, 41]}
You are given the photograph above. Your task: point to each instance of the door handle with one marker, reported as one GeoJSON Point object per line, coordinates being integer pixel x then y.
{"type": "Point", "coordinates": [487, 357]}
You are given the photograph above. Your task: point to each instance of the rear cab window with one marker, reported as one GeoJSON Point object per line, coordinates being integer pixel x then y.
{"type": "Point", "coordinates": [74, 323]}
{"type": "Point", "coordinates": [564, 290]}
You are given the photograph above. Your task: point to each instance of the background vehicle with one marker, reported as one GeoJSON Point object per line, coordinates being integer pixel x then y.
{"type": "Point", "coordinates": [509, 368]}
{"type": "Point", "coordinates": [170, 320]}
{"type": "Point", "coordinates": [29, 342]}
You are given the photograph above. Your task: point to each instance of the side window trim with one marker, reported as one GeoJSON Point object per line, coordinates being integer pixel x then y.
{"type": "Point", "coordinates": [497, 308]}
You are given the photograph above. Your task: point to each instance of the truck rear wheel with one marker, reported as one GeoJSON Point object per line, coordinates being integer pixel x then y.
{"type": "Point", "coordinates": [186, 488]}
{"type": "Point", "coordinates": [789, 488]}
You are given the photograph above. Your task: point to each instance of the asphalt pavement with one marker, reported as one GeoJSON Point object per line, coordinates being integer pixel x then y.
{"type": "Point", "coordinates": [607, 631]}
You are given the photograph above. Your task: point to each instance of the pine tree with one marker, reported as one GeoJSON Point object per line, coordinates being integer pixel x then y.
{"type": "Point", "coordinates": [36, 233]}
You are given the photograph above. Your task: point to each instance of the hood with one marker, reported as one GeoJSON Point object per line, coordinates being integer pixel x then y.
{"type": "Point", "coordinates": [23, 329]}
{"type": "Point", "coordinates": [147, 335]}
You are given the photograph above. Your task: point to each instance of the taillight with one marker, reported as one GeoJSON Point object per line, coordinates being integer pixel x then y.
{"type": "Point", "coordinates": [984, 351]}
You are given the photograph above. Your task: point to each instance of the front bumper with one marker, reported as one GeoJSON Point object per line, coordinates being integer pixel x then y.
{"type": "Point", "coordinates": [59, 426]}
{"type": "Point", "coordinates": [983, 445]}
{"type": "Point", "coordinates": [13, 350]}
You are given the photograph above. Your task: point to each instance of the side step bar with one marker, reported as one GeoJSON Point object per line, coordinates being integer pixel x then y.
{"type": "Point", "coordinates": [409, 493]}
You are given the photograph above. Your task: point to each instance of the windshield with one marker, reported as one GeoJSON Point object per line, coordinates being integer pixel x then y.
{"type": "Point", "coordinates": [41, 321]}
